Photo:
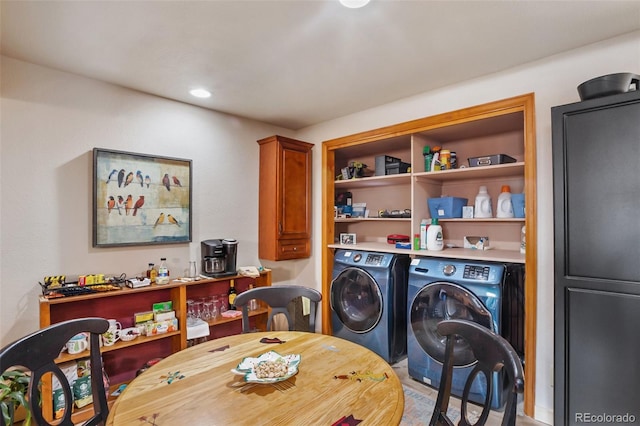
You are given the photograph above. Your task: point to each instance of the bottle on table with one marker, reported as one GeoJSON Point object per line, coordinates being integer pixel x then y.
{"type": "Point", "coordinates": [232, 295]}
{"type": "Point", "coordinates": [152, 273]}
{"type": "Point", "coordinates": [163, 272]}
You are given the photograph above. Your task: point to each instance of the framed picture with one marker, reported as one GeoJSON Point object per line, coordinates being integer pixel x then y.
{"type": "Point", "coordinates": [348, 239]}
{"type": "Point", "coordinates": [140, 199]}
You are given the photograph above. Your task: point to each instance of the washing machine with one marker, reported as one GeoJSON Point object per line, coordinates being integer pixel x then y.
{"type": "Point", "coordinates": [368, 301]}
{"type": "Point", "coordinates": [440, 289]}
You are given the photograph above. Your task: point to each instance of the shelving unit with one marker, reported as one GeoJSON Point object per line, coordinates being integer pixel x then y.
{"type": "Point", "coordinates": [502, 127]}
{"type": "Point", "coordinates": [123, 359]}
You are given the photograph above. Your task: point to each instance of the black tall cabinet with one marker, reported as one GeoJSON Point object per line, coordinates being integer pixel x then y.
{"type": "Point", "coordinates": [596, 168]}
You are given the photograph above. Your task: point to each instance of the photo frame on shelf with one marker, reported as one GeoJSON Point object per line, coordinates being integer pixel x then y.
{"type": "Point", "coordinates": [140, 199]}
{"type": "Point", "coordinates": [347, 239]}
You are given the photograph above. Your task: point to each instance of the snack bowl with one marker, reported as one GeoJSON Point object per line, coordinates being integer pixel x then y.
{"type": "Point", "coordinates": [248, 367]}
{"type": "Point", "coordinates": [128, 334]}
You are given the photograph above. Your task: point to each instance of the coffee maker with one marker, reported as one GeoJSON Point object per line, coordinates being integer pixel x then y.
{"type": "Point", "coordinates": [219, 257]}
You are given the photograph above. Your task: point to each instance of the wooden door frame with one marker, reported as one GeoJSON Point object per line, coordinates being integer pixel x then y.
{"type": "Point", "coordinates": [526, 105]}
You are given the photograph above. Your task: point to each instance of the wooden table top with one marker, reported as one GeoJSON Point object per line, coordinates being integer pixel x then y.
{"type": "Point", "coordinates": [336, 379]}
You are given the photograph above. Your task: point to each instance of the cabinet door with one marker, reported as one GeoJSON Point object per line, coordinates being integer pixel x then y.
{"type": "Point", "coordinates": [294, 211]}
{"type": "Point", "coordinates": [285, 199]}
{"type": "Point", "coordinates": [597, 273]}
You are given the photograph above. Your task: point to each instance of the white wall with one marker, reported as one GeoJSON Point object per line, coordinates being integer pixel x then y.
{"type": "Point", "coordinates": [554, 81]}
{"type": "Point", "coordinates": [50, 123]}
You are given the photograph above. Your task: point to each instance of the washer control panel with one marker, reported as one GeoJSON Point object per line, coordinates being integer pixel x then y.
{"type": "Point", "coordinates": [374, 259]}
{"type": "Point", "coordinates": [476, 272]}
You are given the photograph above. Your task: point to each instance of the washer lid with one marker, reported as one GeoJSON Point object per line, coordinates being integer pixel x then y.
{"type": "Point", "coordinates": [437, 302]}
{"type": "Point", "coordinates": [356, 299]}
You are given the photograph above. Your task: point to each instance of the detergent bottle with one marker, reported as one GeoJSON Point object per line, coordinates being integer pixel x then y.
{"type": "Point", "coordinates": [483, 204]}
{"type": "Point", "coordinates": [435, 240]}
{"type": "Point", "coordinates": [504, 208]}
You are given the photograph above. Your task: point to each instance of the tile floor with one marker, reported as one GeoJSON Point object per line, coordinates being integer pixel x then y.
{"type": "Point", "coordinates": [494, 418]}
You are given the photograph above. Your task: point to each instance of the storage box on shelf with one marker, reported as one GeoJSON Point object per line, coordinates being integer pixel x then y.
{"type": "Point", "coordinates": [501, 127]}
{"type": "Point", "coordinates": [123, 359]}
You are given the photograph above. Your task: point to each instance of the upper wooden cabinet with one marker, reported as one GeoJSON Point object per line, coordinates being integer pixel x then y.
{"type": "Point", "coordinates": [285, 199]}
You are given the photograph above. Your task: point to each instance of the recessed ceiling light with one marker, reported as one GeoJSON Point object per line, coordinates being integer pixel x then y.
{"type": "Point", "coordinates": [354, 4]}
{"type": "Point", "coordinates": [200, 93]}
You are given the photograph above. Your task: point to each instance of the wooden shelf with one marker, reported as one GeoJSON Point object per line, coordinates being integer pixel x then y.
{"type": "Point", "coordinates": [373, 181]}
{"type": "Point", "coordinates": [372, 219]}
{"type": "Point", "coordinates": [481, 172]}
{"type": "Point", "coordinates": [492, 255]}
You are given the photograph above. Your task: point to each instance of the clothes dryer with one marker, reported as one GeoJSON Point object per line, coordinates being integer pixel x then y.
{"type": "Point", "coordinates": [368, 301]}
{"type": "Point", "coordinates": [442, 289]}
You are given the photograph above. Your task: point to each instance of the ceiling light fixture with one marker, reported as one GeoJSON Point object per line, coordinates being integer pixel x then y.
{"type": "Point", "coordinates": [200, 93]}
{"type": "Point", "coordinates": [354, 4]}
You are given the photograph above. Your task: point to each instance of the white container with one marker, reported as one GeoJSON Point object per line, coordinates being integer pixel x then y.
{"type": "Point", "coordinates": [482, 208]}
{"type": "Point", "coordinates": [504, 208]}
{"type": "Point", "coordinates": [435, 241]}
{"type": "Point", "coordinates": [523, 241]}
{"type": "Point", "coordinates": [424, 224]}
{"type": "Point", "coordinates": [163, 272]}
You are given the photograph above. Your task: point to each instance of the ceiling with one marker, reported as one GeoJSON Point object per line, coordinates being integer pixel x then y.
{"type": "Point", "coordinates": [294, 63]}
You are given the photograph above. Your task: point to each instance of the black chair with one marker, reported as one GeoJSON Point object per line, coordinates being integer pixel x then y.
{"type": "Point", "coordinates": [493, 353]}
{"type": "Point", "coordinates": [278, 298]}
{"type": "Point", "coordinates": [37, 352]}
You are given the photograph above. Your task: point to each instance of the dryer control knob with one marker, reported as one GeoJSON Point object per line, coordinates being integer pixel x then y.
{"type": "Point", "coordinates": [449, 270]}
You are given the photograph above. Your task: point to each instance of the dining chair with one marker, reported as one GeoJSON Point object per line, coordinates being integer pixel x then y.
{"type": "Point", "coordinates": [37, 353]}
{"type": "Point", "coordinates": [278, 298]}
{"type": "Point", "coordinates": [493, 353]}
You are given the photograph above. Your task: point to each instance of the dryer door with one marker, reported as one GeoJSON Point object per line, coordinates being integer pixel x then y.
{"type": "Point", "coordinates": [439, 301]}
{"type": "Point", "coordinates": [356, 299]}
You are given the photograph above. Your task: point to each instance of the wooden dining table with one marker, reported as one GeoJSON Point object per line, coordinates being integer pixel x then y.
{"type": "Point", "coordinates": [338, 383]}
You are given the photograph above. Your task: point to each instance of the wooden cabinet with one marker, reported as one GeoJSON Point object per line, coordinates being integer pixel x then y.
{"type": "Point", "coordinates": [285, 199]}
{"type": "Point", "coordinates": [123, 359]}
{"type": "Point", "coordinates": [501, 127]}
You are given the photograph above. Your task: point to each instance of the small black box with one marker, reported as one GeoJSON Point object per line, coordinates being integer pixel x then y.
{"type": "Point", "coordinates": [490, 160]}
{"type": "Point", "coordinates": [381, 164]}
{"type": "Point", "coordinates": [397, 167]}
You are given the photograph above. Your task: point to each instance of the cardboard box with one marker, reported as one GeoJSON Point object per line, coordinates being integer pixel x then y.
{"type": "Point", "coordinates": [476, 243]}
{"type": "Point", "coordinates": [153, 328]}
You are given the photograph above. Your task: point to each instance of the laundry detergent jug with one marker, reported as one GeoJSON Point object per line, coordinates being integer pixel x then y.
{"type": "Point", "coordinates": [504, 207]}
{"type": "Point", "coordinates": [482, 208]}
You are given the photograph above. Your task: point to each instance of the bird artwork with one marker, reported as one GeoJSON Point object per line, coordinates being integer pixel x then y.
{"type": "Point", "coordinates": [147, 180]}
{"type": "Point", "coordinates": [120, 204]}
{"type": "Point", "coordinates": [176, 181]}
{"type": "Point", "coordinates": [128, 205]}
{"type": "Point", "coordinates": [173, 220]}
{"type": "Point", "coordinates": [159, 220]}
{"type": "Point", "coordinates": [129, 179]}
{"type": "Point", "coordinates": [138, 204]}
{"type": "Point", "coordinates": [113, 172]}
{"type": "Point", "coordinates": [120, 178]}
{"type": "Point", "coordinates": [140, 178]}
{"type": "Point", "coordinates": [111, 203]}
{"type": "Point", "coordinates": [166, 182]}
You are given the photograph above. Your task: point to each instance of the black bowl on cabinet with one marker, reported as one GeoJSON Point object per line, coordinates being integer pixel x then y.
{"type": "Point", "coordinates": [606, 85]}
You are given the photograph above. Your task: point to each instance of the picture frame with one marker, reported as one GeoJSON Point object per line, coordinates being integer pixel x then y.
{"type": "Point", "coordinates": [140, 199]}
{"type": "Point", "coordinates": [347, 239]}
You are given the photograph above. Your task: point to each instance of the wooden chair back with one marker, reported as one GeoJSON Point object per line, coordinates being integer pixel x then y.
{"type": "Point", "coordinates": [278, 298]}
{"type": "Point", "coordinates": [493, 353]}
{"type": "Point", "coordinates": [37, 353]}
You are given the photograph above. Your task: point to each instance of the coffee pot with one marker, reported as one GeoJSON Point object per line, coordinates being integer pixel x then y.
{"type": "Point", "coordinates": [219, 257]}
